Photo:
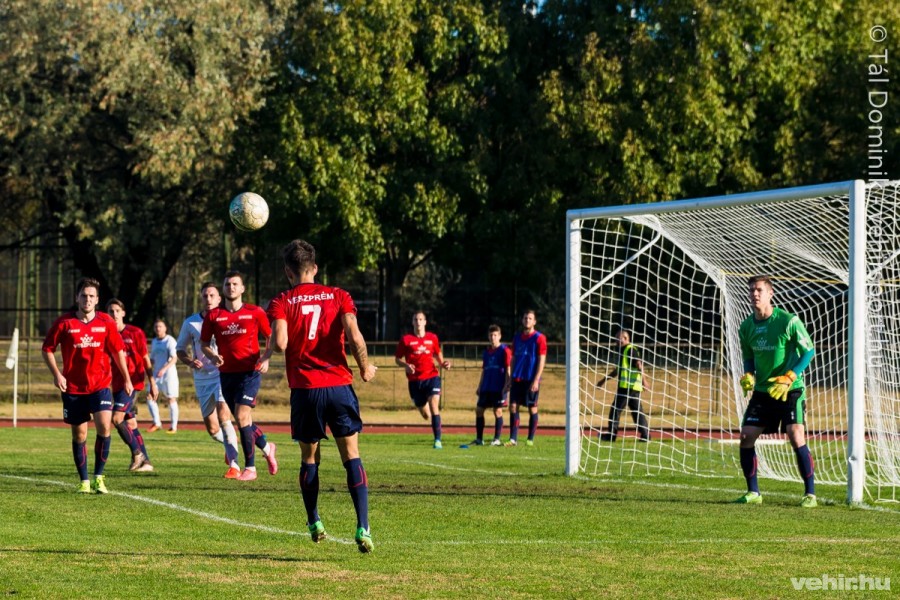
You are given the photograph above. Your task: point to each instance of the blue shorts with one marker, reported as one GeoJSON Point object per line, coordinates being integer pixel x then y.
{"type": "Point", "coordinates": [774, 415]}
{"type": "Point", "coordinates": [492, 400]}
{"type": "Point", "coordinates": [420, 391]}
{"type": "Point", "coordinates": [78, 408]}
{"type": "Point", "coordinates": [520, 393]}
{"type": "Point", "coordinates": [240, 388]}
{"type": "Point", "coordinates": [312, 409]}
{"type": "Point", "coordinates": [124, 403]}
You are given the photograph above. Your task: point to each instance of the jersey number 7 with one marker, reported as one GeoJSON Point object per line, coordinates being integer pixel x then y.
{"type": "Point", "coordinates": [316, 312]}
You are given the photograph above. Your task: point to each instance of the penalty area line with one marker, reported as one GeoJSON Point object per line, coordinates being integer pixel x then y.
{"type": "Point", "coordinates": [177, 507]}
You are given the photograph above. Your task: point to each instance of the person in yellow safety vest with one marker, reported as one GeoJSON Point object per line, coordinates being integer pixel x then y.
{"type": "Point", "coordinates": [630, 376]}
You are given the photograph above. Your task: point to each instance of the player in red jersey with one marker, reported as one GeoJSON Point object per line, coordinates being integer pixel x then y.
{"type": "Point", "coordinates": [237, 327]}
{"type": "Point", "coordinates": [87, 339]}
{"type": "Point", "coordinates": [125, 405]}
{"type": "Point", "coordinates": [417, 354]}
{"type": "Point", "coordinates": [310, 323]}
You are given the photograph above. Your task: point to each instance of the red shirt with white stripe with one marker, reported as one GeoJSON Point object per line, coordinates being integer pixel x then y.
{"type": "Point", "coordinates": [135, 350]}
{"type": "Point", "coordinates": [86, 348]}
{"type": "Point", "coordinates": [419, 352]}
{"type": "Point", "coordinates": [237, 335]}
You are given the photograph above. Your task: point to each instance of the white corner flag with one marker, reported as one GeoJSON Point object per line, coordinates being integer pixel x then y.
{"type": "Point", "coordinates": [12, 356]}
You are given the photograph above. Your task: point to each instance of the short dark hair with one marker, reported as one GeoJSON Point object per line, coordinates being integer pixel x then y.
{"type": "Point", "coordinates": [492, 328]}
{"type": "Point", "coordinates": [210, 284]}
{"type": "Point", "coordinates": [115, 301]}
{"type": "Point", "coordinates": [85, 282]}
{"type": "Point", "coordinates": [234, 273]}
{"type": "Point", "coordinates": [299, 256]}
{"type": "Point", "coordinates": [530, 310]}
{"type": "Point", "coordinates": [760, 279]}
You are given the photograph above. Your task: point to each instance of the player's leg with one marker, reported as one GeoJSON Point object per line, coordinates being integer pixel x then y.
{"type": "Point", "coordinates": [358, 486]}
{"type": "Point", "coordinates": [532, 416]}
{"type": "Point", "coordinates": [231, 444]}
{"type": "Point", "coordinates": [307, 428]}
{"type": "Point", "coordinates": [516, 397]}
{"type": "Point", "coordinates": [479, 424]}
{"type": "Point", "coordinates": [638, 416]}
{"type": "Point", "coordinates": [153, 409]}
{"type": "Point", "coordinates": [434, 406]}
{"type": "Point", "coordinates": [146, 465]}
{"type": "Point", "coordinates": [123, 404]}
{"type": "Point", "coordinates": [102, 409]}
{"type": "Point", "coordinates": [795, 429]}
{"type": "Point", "coordinates": [79, 450]}
{"type": "Point", "coordinates": [498, 423]}
{"type": "Point", "coordinates": [173, 413]}
{"type": "Point", "coordinates": [750, 463]}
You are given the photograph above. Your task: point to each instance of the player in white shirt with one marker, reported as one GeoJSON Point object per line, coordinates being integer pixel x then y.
{"type": "Point", "coordinates": [213, 408]}
{"type": "Point", "coordinates": [163, 357]}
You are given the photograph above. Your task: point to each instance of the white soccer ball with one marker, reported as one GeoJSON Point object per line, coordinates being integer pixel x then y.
{"type": "Point", "coordinates": [248, 211]}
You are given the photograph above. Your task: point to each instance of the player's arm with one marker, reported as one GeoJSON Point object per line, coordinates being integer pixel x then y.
{"type": "Point", "coordinates": [58, 379]}
{"type": "Point", "coordinates": [211, 354]}
{"type": "Point", "coordinates": [480, 381]}
{"type": "Point", "coordinates": [122, 364]}
{"type": "Point", "coordinates": [536, 382]}
{"type": "Point", "coordinates": [357, 344]}
{"type": "Point", "coordinates": [181, 348]}
{"type": "Point", "coordinates": [148, 369]}
{"type": "Point", "coordinates": [400, 359]}
{"type": "Point", "coordinates": [441, 362]}
{"type": "Point", "coordinates": [262, 321]}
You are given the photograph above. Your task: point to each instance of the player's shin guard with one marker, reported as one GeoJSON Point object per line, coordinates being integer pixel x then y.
{"type": "Point", "coordinates": [128, 437]}
{"type": "Point", "coordinates": [514, 426]}
{"type": "Point", "coordinates": [259, 438]}
{"type": "Point", "coordinates": [498, 428]}
{"type": "Point", "coordinates": [309, 490]}
{"type": "Point", "coordinates": [247, 439]}
{"type": "Point", "coordinates": [805, 464]}
{"type": "Point", "coordinates": [532, 425]}
{"type": "Point", "coordinates": [173, 414]}
{"type": "Point", "coordinates": [479, 428]}
{"type": "Point", "coordinates": [358, 484]}
{"type": "Point", "coordinates": [749, 465]}
{"type": "Point", "coordinates": [231, 448]}
{"type": "Point", "coordinates": [79, 454]}
{"type": "Point", "coordinates": [140, 441]}
{"type": "Point", "coordinates": [101, 453]}
{"type": "Point", "coordinates": [436, 426]}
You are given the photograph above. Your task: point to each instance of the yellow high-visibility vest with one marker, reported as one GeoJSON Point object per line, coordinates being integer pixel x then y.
{"type": "Point", "coordinates": [629, 378]}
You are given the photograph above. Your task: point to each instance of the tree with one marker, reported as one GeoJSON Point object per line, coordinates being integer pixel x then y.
{"type": "Point", "coordinates": [118, 121]}
{"type": "Point", "coordinates": [374, 117]}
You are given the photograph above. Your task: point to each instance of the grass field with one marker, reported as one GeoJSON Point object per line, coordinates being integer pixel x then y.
{"type": "Point", "coordinates": [483, 522]}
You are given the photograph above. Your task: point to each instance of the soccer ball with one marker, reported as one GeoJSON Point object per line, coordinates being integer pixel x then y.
{"type": "Point", "coordinates": [248, 211]}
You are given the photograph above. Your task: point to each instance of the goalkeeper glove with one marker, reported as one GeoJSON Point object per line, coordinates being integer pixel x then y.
{"type": "Point", "coordinates": [779, 386]}
{"type": "Point", "coordinates": [747, 383]}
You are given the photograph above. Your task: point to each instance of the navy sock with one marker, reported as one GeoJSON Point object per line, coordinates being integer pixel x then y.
{"type": "Point", "coordinates": [748, 465]}
{"type": "Point", "coordinates": [309, 490]}
{"type": "Point", "coordinates": [805, 464]}
{"type": "Point", "coordinates": [436, 426]}
{"type": "Point", "coordinates": [498, 428]}
{"type": "Point", "coordinates": [358, 484]}
{"type": "Point", "coordinates": [247, 440]}
{"type": "Point", "coordinates": [259, 438]}
{"type": "Point", "coordinates": [532, 426]}
{"type": "Point", "coordinates": [101, 453]}
{"type": "Point", "coordinates": [128, 437]}
{"type": "Point", "coordinates": [140, 441]}
{"type": "Point", "coordinates": [514, 426]}
{"type": "Point", "coordinates": [79, 453]}
{"type": "Point", "coordinates": [479, 427]}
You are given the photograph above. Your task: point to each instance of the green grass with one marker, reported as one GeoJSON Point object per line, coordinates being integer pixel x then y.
{"type": "Point", "coordinates": [483, 522]}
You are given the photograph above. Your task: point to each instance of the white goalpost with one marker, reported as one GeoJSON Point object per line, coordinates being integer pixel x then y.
{"type": "Point", "coordinates": [675, 274]}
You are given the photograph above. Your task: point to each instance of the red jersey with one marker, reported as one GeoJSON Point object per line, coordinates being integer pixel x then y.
{"type": "Point", "coordinates": [315, 356]}
{"type": "Point", "coordinates": [237, 335]}
{"type": "Point", "coordinates": [135, 350]}
{"type": "Point", "coordinates": [420, 353]}
{"type": "Point", "coordinates": [86, 348]}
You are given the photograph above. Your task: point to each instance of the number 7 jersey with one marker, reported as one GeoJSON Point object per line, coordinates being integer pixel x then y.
{"type": "Point", "coordinates": [315, 355]}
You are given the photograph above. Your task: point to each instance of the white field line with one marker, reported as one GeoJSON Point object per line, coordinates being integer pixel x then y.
{"type": "Point", "coordinates": [171, 506]}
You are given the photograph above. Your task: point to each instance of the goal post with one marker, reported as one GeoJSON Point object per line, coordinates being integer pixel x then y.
{"type": "Point", "coordinates": [675, 274]}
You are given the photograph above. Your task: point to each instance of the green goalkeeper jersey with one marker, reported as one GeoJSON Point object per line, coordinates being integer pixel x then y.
{"type": "Point", "coordinates": [775, 346]}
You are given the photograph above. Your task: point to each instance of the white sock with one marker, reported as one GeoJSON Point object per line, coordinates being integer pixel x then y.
{"type": "Point", "coordinates": [173, 415]}
{"type": "Point", "coordinates": [231, 440]}
{"type": "Point", "coordinates": [267, 449]}
{"type": "Point", "coordinates": [153, 407]}
{"type": "Point", "coordinates": [219, 436]}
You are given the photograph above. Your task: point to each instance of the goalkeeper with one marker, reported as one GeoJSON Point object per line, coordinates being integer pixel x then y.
{"type": "Point", "coordinates": [776, 348]}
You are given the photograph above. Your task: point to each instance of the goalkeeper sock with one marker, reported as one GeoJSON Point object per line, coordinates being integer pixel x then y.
{"type": "Point", "coordinates": [309, 489]}
{"type": "Point", "coordinates": [479, 428]}
{"type": "Point", "coordinates": [748, 465]}
{"type": "Point", "coordinates": [358, 484]}
{"type": "Point", "coordinates": [805, 464]}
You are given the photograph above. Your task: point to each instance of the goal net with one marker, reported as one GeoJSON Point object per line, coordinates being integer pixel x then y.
{"type": "Point", "coordinates": [675, 275]}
